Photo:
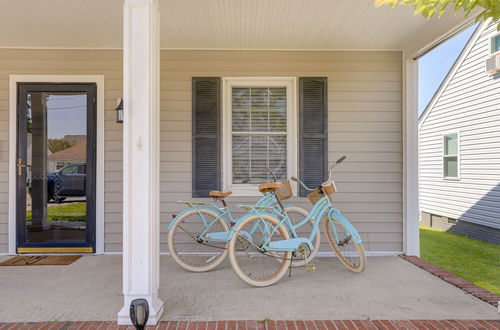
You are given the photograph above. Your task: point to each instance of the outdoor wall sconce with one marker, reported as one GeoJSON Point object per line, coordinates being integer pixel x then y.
{"type": "Point", "coordinates": [119, 112]}
{"type": "Point", "coordinates": [139, 313]}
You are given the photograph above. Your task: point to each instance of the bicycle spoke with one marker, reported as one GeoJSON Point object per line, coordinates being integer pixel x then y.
{"type": "Point", "coordinates": [187, 245]}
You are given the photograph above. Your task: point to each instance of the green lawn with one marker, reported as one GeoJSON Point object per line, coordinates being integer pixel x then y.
{"type": "Point", "coordinates": [64, 212]}
{"type": "Point", "coordinates": [475, 261]}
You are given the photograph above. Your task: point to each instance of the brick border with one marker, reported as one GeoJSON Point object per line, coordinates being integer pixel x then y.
{"type": "Point", "coordinates": [459, 282]}
{"type": "Point", "coordinates": [268, 325]}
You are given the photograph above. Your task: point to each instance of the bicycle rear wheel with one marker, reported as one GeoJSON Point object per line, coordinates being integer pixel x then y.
{"type": "Point", "coordinates": [192, 251]}
{"type": "Point", "coordinates": [249, 261]}
{"type": "Point", "coordinates": [351, 254]}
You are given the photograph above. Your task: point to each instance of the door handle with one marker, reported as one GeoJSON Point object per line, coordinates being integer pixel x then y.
{"type": "Point", "coordinates": [20, 166]}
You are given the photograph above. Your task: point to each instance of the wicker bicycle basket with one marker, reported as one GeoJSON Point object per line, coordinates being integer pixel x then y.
{"type": "Point", "coordinates": [285, 190]}
{"type": "Point", "coordinates": [319, 193]}
{"type": "Point", "coordinates": [315, 195]}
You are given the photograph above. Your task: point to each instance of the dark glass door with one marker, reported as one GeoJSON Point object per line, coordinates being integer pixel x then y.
{"type": "Point", "coordinates": [55, 168]}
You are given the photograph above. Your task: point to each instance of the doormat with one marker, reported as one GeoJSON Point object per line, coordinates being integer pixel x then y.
{"type": "Point", "coordinates": [40, 260]}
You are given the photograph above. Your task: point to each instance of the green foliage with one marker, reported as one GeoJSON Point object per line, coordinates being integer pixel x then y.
{"type": "Point", "coordinates": [475, 261]}
{"type": "Point", "coordinates": [56, 145]}
{"type": "Point", "coordinates": [431, 8]}
{"type": "Point", "coordinates": [67, 212]}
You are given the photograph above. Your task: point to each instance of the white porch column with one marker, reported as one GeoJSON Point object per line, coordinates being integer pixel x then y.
{"type": "Point", "coordinates": [410, 163]}
{"type": "Point", "coordinates": [141, 136]}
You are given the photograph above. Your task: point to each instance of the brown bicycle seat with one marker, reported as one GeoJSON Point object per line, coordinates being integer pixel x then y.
{"type": "Point", "coordinates": [220, 194]}
{"type": "Point", "coordinates": [268, 187]}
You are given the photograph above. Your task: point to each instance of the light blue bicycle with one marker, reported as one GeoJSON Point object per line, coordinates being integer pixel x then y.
{"type": "Point", "coordinates": [263, 245]}
{"type": "Point", "coordinates": [198, 236]}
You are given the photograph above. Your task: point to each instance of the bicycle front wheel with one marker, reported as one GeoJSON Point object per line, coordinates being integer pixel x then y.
{"type": "Point", "coordinates": [247, 255]}
{"type": "Point", "coordinates": [189, 248]}
{"type": "Point", "coordinates": [351, 254]}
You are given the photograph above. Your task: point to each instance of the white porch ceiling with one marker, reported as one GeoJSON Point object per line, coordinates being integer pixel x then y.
{"type": "Point", "coordinates": [223, 24]}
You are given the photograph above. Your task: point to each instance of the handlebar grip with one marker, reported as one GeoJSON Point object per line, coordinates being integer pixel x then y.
{"type": "Point", "coordinates": [245, 181]}
{"type": "Point", "coordinates": [294, 179]}
{"type": "Point", "coordinates": [340, 160]}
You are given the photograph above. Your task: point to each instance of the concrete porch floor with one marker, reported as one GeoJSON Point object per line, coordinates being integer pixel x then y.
{"type": "Point", "coordinates": [90, 289]}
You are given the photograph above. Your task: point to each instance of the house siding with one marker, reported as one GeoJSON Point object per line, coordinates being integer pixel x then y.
{"type": "Point", "coordinates": [470, 104]}
{"type": "Point", "coordinates": [364, 123]}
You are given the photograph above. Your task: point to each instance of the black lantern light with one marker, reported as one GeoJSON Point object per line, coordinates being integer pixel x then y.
{"type": "Point", "coordinates": [139, 313]}
{"type": "Point", "coordinates": [119, 112]}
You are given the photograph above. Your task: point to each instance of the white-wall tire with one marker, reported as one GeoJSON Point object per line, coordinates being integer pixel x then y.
{"type": "Point", "coordinates": [218, 259]}
{"type": "Point", "coordinates": [284, 266]}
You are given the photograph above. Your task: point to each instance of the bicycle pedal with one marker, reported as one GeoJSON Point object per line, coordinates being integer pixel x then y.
{"type": "Point", "coordinates": [310, 268]}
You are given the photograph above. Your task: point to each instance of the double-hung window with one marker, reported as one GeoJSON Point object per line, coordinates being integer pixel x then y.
{"type": "Point", "coordinates": [259, 131]}
{"type": "Point", "coordinates": [451, 160]}
{"type": "Point", "coordinates": [495, 44]}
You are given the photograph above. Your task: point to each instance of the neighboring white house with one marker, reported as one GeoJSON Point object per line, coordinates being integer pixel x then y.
{"type": "Point", "coordinates": [459, 144]}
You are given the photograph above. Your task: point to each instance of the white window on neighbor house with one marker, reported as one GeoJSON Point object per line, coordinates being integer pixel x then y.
{"type": "Point", "coordinates": [259, 131]}
{"type": "Point", "coordinates": [451, 157]}
{"type": "Point", "coordinates": [495, 44]}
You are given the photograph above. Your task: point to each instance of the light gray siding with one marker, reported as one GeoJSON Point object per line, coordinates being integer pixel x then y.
{"type": "Point", "coordinates": [470, 104]}
{"type": "Point", "coordinates": [365, 123]}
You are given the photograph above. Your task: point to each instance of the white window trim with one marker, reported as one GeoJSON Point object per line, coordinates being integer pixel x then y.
{"type": "Point", "coordinates": [99, 200]}
{"type": "Point", "coordinates": [443, 155]}
{"type": "Point", "coordinates": [291, 104]}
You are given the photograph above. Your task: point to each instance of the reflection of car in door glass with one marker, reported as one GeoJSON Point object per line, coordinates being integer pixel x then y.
{"type": "Point", "coordinates": [67, 182]}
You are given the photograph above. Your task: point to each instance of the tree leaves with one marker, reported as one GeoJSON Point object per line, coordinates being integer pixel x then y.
{"type": "Point", "coordinates": [431, 8]}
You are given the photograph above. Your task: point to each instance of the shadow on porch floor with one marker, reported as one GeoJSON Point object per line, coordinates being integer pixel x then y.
{"type": "Point", "coordinates": [90, 289]}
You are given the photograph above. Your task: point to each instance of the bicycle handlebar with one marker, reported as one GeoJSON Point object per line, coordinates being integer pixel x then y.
{"type": "Point", "coordinates": [252, 179]}
{"type": "Point", "coordinates": [301, 183]}
{"type": "Point", "coordinates": [266, 169]}
{"type": "Point", "coordinates": [330, 171]}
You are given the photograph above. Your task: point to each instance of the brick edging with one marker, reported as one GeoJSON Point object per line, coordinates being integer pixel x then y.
{"type": "Point", "coordinates": [268, 325]}
{"type": "Point", "coordinates": [459, 282]}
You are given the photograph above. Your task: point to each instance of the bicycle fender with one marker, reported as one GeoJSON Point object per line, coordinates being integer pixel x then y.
{"type": "Point", "coordinates": [171, 224]}
{"type": "Point", "coordinates": [334, 213]}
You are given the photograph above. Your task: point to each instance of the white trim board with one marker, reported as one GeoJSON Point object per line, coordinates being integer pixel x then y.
{"type": "Point", "coordinates": [290, 83]}
{"type": "Point", "coordinates": [446, 81]}
{"type": "Point", "coordinates": [411, 235]}
{"type": "Point", "coordinates": [220, 49]}
{"type": "Point", "coordinates": [99, 81]}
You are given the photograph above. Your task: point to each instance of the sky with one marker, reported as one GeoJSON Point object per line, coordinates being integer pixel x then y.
{"type": "Point", "coordinates": [434, 66]}
{"type": "Point", "coordinates": [66, 115]}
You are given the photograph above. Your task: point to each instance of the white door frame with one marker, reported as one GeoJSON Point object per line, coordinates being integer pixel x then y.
{"type": "Point", "coordinates": [99, 81]}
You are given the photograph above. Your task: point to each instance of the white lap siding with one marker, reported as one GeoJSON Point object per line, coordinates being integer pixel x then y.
{"type": "Point", "coordinates": [365, 123]}
{"type": "Point", "coordinates": [470, 104]}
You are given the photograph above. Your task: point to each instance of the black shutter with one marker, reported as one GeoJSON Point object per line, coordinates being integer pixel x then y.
{"type": "Point", "coordinates": [313, 166]}
{"type": "Point", "coordinates": [206, 133]}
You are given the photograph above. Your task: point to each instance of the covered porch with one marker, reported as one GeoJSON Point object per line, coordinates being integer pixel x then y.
{"type": "Point", "coordinates": [390, 289]}
{"type": "Point", "coordinates": [147, 52]}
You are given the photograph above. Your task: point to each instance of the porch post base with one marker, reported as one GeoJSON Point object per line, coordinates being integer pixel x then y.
{"type": "Point", "coordinates": [155, 312]}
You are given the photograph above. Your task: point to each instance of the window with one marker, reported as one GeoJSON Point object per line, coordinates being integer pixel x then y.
{"type": "Point", "coordinates": [69, 170]}
{"type": "Point", "coordinates": [495, 44]}
{"type": "Point", "coordinates": [450, 156]}
{"type": "Point", "coordinates": [259, 116]}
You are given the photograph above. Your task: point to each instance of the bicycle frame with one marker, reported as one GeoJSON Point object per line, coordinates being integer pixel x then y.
{"type": "Point", "coordinates": [323, 206]}
{"type": "Point", "coordinates": [268, 201]}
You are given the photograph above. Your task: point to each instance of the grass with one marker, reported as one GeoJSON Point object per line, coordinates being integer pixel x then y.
{"type": "Point", "coordinates": [477, 262]}
{"type": "Point", "coordinates": [65, 212]}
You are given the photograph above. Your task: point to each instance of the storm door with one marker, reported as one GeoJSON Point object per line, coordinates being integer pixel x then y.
{"type": "Point", "coordinates": [55, 168]}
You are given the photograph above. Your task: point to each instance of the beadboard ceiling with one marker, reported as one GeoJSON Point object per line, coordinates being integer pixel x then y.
{"type": "Point", "coordinates": [223, 24]}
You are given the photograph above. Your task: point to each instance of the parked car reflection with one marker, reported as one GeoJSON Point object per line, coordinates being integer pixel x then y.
{"type": "Point", "coordinates": [69, 181]}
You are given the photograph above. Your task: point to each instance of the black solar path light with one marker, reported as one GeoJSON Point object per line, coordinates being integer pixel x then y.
{"type": "Point", "coordinates": [139, 313]}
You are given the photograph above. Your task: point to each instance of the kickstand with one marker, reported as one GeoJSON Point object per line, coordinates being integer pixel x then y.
{"type": "Point", "coordinates": [291, 262]}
